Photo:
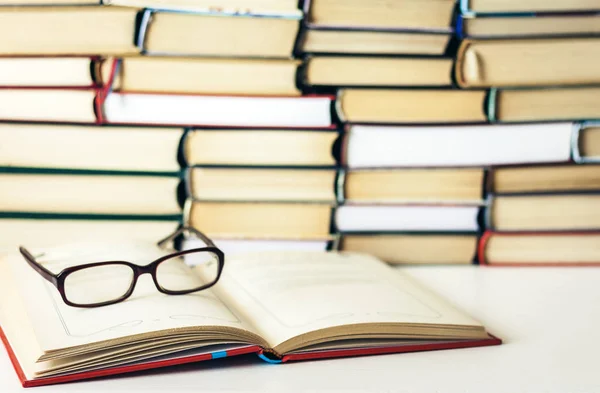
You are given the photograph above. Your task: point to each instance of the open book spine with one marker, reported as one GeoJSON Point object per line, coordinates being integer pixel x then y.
{"type": "Point", "coordinates": [489, 234]}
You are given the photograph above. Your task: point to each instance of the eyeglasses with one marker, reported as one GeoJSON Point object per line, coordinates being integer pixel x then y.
{"type": "Point", "coordinates": [103, 283]}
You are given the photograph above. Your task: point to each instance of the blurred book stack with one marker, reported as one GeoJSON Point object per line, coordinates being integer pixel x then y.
{"type": "Point", "coordinates": [423, 132]}
{"type": "Point", "coordinates": [103, 102]}
{"type": "Point", "coordinates": [539, 55]}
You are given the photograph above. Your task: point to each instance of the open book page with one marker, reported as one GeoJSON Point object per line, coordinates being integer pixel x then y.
{"type": "Point", "coordinates": [147, 314]}
{"type": "Point", "coordinates": [289, 294]}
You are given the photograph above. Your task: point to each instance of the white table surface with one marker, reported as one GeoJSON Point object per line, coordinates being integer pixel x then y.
{"type": "Point", "coordinates": [549, 319]}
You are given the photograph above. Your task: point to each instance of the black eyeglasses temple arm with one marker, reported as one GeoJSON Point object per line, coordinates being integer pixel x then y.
{"type": "Point", "coordinates": [47, 274]}
{"type": "Point", "coordinates": [183, 229]}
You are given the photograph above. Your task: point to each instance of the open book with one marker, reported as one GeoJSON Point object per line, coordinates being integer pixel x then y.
{"type": "Point", "coordinates": [283, 306]}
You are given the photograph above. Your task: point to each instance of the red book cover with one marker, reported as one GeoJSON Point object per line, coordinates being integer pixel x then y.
{"type": "Point", "coordinates": [262, 354]}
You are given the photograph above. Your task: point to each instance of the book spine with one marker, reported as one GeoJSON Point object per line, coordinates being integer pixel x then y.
{"type": "Point", "coordinates": [481, 247]}
{"type": "Point", "coordinates": [143, 21]}
{"type": "Point", "coordinates": [340, 186]}
{"type": "Point", "coordinates": [490, 105]}
{"type": "Point", "coordinates": [576, 155]}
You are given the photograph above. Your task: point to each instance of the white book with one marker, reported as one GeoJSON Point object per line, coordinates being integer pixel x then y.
{"type": "Point", "coordinates": [235, 246]}
{"type": "Point", "coordinates": [310, 112]}
{"type": "Point", "coordinates": [467, 145]}
{"type": "Point", "coordinates": [406, 218]}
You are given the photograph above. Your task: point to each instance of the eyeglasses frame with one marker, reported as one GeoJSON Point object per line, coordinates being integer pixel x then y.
{"type": "Point", "coordinates": [58, 279]}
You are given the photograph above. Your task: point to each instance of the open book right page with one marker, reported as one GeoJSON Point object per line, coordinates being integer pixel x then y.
{"type": "Point", "coordinates": [299, 299]}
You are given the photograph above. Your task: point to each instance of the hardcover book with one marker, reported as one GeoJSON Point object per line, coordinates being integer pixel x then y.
{"type": "Point", "coordinates": [252, 309]}
{"type": "Point", "coordinates": [539, 249]}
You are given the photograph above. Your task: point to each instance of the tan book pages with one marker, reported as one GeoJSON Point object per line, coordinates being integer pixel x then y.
{"type": "Point", "coordinates": [195, 34]}
{"type": "Point", "coordinates": [207, 75]}
{"type": "Point", "coordinates": [548, 104]}
{"type": "Point", "coordinates": [519, 26]}
{"type": "Point", "coordinates": [259, 147]}
{"type": "Point", "coordinates": [261, 220]}
{"type": "Point", "coordinates": [373, 71]}
{"type": "Point", "coordinates": [90, 147]}
{"type": "Point", "coordinates": [50, 193]}
{"type": "Point", "coordinates": [346, 295]}
{"type": "Point", "coordinates": [84, 30]}
{"type": "Point", "coordinates": [567, 61]}
{"type": "Point", "coordinates": [546, 179]}
{"type": "Point", "coordinates": [547, 212]}
{"type": "Point", "coordinates": [543, 249]}
{"type": "Point", "coordinates": [48, 105]}
{"type": "Point", "coordinates": [234, 184]}
{"type": "Point", "coordinates": [276, 7]}
{"type": "Point", "coordinates": [424, 14]}
{"type": "Point", "coordinates": [46, 71]}
{"type": "Point", "coordinates": [414, 249]}
{"type": "Point", "coordinates": [531, 5]}
{"type": "Point", "coordinates": [373, 42]}
{"type": "Point", "coordinates": [48, 2]}
{"type": "Point", "coordinates": [414, 185]}
{"type": "Point", "coordinates": [412, 106]}
{"type": "Point", "coordinates": [589, 142]}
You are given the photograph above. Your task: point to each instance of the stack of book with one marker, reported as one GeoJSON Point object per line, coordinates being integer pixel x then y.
{"type": "Point", "coordinates": [100, 114]}
{"type": "Point", "coordinates": [417, 131]}
{"type": "Point", "coordinates": [538, 55]}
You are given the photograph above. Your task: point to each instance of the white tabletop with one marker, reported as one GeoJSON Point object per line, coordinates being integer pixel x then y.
{"type": "Point", "coordinates": [548, 318]}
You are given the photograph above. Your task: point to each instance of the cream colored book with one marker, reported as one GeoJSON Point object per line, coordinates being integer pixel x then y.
{"type": "Point", "coordinates": [92, 148]}
{"type": "Point", "coordinates": [377, 71]}
{"type": "Point", "coordinates": [113, 30]}
{"type": "Point", "coordinates": [528, 62]}
{"type": "Point", "coordinates": [552, 212]}
{"type": "Point", "coordinates": [414, 185]}
{"type": "Point", "coordinates": [82, 194]}
{"type": "Point", "coordinates": [414, 249]}
{"type": "Point", "coordinates": [313, 305]}
{"type": "Point", "coordinates": [260, 220]}
{"type": "Point", "coordinates": [262, 184]}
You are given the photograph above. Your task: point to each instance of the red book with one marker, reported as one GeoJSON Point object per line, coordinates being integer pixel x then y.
{"type": "Point", "coordinates": [315, 305]}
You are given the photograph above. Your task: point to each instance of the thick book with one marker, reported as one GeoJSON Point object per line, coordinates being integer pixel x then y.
{"type": "Point", "coordinates": [260, 220]}
{"type": "Point", "coordinates": [335, 71]}
{"type": "Point", "coordinates": [252, 309]}
{"type": "Point", "coordinates": [527, 7]}
{"type": "Point", "coordinates": [98, 105]}
{"type": "Point", "coordinates": [260, 147]}
{"type": "Point", "coordinates": [359, 27]}
{"type": "Point", "coordinates": [550, 212]}
{"type": "Point", "coordinates": [532, 26]}
{"type": "Point", "coordinates": [111, 30]}
{"type": "Point", "coordinates": [261, 184]}
{"type": "Point", "coordinates": [431, 106]}
{"type": "Point", "coordinates": [528, 62]}
{"type": "Point", "coordinates": [68, 148]}
{"type": "Point", "coordinates": [372, 146]}
{"type": "Point", "coordinates": [74, 194]}
{"type": "Point", "coordinates": [544, 178]}
{"type": "Point", "coordinates": [158, 74]}
{"type": "Point", "coordinates": [414, 248]}
{"type": "Point", "coordinates": [539, 249]}
{"type": "Point", "coordinates": [407, 218]}
{"type": "Point", "coordinates": [411, 185]}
